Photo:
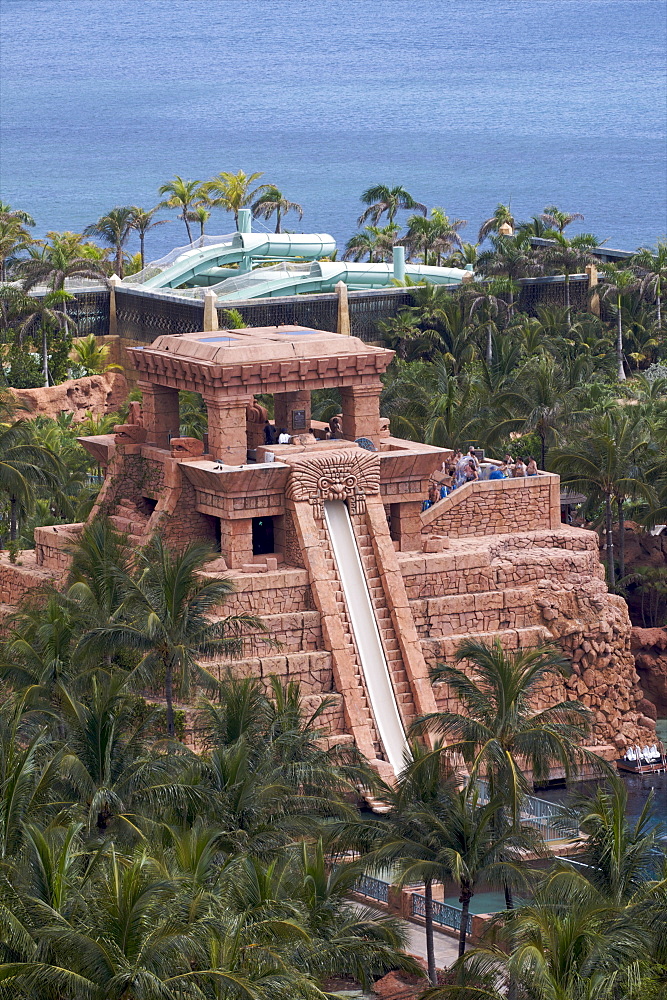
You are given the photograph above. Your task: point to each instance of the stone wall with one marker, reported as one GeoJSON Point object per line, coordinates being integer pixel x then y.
{"type": "Point", "coordinates": [94, 394]}
{"type": "Point", "coordinates": [525, 591]}
{"type": "Point", "coordinates": [495, 507]}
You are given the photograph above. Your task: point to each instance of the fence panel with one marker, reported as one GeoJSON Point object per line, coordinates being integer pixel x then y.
{"type": "Point", "coordinates": [142, 316]}
{"type": "Point", "coordinates": [373, 888]}
{"type": "Point", "coordinates": [443, 913]}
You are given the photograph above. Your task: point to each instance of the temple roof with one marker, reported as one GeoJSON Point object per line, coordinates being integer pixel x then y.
{"type": "Point", "coordinates": [269, 359]}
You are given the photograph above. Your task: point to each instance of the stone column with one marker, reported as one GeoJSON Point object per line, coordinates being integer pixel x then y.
{"type": "Point", "coordinates": [236, 541]}
{"type": "Point", "coordinates": [361, 411]}
{"type": "Point", "coordinates": [160, 414]}
{"type": "Point", "coordinates": [286, 404]}
{"type": "Point", "coordinates": [210, 312]}
{"type": "Point", "coordinates": [592, 272]}
{"type": "Point", "coordinates": [227, 435]}
{"type": "Point", "coordinates": [406, 525]}
{"type": "Point", "coordinates": [114, 281]}
{"type": "Point", "coordinates": [343, 326]}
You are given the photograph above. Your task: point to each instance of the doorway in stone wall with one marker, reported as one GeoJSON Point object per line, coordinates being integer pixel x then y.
{"type": "Point", "coordinates": [262, 536]}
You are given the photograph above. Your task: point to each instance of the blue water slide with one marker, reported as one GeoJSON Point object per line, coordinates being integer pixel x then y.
{"type": "Point", "coordinates": [322, 276]}
{"type": "Point", "coordinates": [206, 264]}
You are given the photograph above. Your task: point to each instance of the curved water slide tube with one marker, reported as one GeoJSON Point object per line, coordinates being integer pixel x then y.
{"type": "Point", "coordinates": [207, 265]}
{"type": "Point", "coordinates": [323, 276]}
{"type": "Point", "coordinates": [366, 634]}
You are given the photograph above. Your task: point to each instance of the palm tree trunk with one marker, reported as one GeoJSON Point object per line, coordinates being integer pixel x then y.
{"type": "Point", "coordinates": [464, 900]}
{"type": "Point", "coordinates": [621, 537]}
{"type": "Point", "coordinates": [119, 261]}
{"type": "Point", "coordinates": [45, 356]}
{"type": "Point", "coordinates": [13, 518]}
{"type": "Point", "coordinates": [567, 298]}
{"type": "Point", "coordinates": [619, 342]}
{"type": "Point", "coordinates": [169, 696]}
{"type": "Point", "coordinates": [543, 452]}
{"type": "Point", "coordinates": [141, 250]}
{"type": "Point", "coordinates": [278, 218]}
{"type": "Point", "coordinates": [509, 897]}
{"type": "Point", "coordinates": [428, 919]}
{"type": "Point", "coordinates": [658, 304]}
{"type": "Point", "coordinates": [489, 345]}
{"type": "Point", "coordinates": [611, 579]}
{"type": "Point", "coordinates": [187, 224]}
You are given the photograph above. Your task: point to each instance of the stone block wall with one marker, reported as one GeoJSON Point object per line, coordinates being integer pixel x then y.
{"type": "Point", "coordinates": [495, 507]}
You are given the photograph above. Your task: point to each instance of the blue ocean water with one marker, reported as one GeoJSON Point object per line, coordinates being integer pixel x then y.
{"type": "Point", "coordinates": [464, 103]}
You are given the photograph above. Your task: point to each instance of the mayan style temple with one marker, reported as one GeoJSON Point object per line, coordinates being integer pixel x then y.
{"type": "Point", "coordinates": [325, 538]}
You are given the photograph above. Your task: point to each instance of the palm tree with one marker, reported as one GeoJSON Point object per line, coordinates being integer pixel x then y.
{"type": "Point", "coordinates": [375, 241]}
{"type": "Point", "coordinates": [93, 357]}
{"type": "Point", "coordinates": [114, 228]}
{"type": "Point", "coordinates": [607, 460]}
{"type": "Point", "coordinates": [427, 403]}
{"type": "Point", "coordinates": [142, 222]}
{"type": "Point", "coordinates": [273, 201]}
{"type": "Point", "coordinates": [617, 285]}
{"type": "Point", "coordinates": [568, 257]}
{"type": "Point", "coordinates": [512, 257]}
{"type": "Point", "coordinates": [24, 465]}
{"type": "Point", "coordinates": [49, 312]}
{"type": "Point", "coordinates": [501, 217]}
{"type": "Point", "coordinates": [181, 195]}
{"type": "Point", "coordinates": [498, 734]}
{"type": "Point", "coordinates": [107, 764]}
{"type": "Point", "coordinates": [383, 200]}
{"type": "Point", "coordinates": [7, 212]}
{"type": "Point", "coordinates": [436, 235]}
{"type": "Point", "coordinates": [14, 238]}
{"type": "Point", "coordinates": [65, 256]}
{"type": "Point", "coordinates": [544, 399]}
{"type": "Point", "coordinates": [343, 939]}
{"type": "Point", "coordinates": [233, 191]}
{"type": "Point", "coordinates": [438, 831]}
{"type": "Point", "coordinates": [652, 267]}
{"type": "Point", "coordinates": [201, 215]}
{"type": "Point", "coordinates": [486, 300]}
{"type": "Point", "coordinates": [167, 620]}
{"type": "Point", "coordinates": [556, 219]}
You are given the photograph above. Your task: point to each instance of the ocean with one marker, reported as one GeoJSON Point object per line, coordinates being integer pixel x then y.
{"type": "Point", "coordinates": [466, 104]}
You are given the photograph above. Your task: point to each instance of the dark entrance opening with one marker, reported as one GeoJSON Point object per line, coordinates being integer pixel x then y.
{"type": "Point", "coordinates": [262, 536]}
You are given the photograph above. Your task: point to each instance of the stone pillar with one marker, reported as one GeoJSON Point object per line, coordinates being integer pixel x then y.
{"type": "Point", "coordinates": [406, 525]}
{"type": "Point", "coordinates": [114, 281]}
{"type": "Point", "coordinates": [210, 312]}
{"type": "Point", "coordinates": [286, 405]}
{"type": "Point", "coordinates": [227, 434]}
{"type": "Point", "coordinates": [361, 411]}
{"type": "Point", "coordinates": [343, 310]}
{"type": "Point", "coordinates": [160, 414]}
{"type": "Point", "coordinates": [236, 541]}
{"type": "Point", "coordinates": [592, 272]}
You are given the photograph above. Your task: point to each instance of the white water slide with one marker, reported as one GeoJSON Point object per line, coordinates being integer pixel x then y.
{"type": "Point", "coordinates": [366, 633]}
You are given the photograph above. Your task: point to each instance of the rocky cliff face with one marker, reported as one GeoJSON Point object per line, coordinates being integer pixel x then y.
{"type": "Point", "coordinates": [649, 647]}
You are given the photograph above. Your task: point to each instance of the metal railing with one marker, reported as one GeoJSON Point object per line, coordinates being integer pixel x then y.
{"type": "Point", "coordinates": [443, 913]}
{"type": "Point", "coordinates": [373, 888]}
{"type": "Point", "coordinates": [547, 817]}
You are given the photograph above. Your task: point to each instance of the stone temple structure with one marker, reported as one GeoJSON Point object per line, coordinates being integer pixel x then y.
{"type": "Point", "coordinates": [325, 538]}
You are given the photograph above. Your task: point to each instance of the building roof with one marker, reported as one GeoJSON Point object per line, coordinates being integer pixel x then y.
{"type": "Point", "coordinates": [259, 359]}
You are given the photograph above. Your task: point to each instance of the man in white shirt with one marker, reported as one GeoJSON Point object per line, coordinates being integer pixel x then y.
{"type": "Point", "coordinates": [283, 437]}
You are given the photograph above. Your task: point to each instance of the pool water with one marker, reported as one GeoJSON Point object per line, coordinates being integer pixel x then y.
{"type": "Point", "coordinates": [639, 787]}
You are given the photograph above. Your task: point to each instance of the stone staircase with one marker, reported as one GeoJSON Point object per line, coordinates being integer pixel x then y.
{"type": "Point", "coordinates": [131, 523]}
{"type": "Point", "coordinates": [397, 671]}
{"type": "Point", "coordinates": [361, 698]}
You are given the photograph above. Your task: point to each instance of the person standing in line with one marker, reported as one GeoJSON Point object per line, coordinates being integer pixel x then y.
{"type": "Point", "coordinates": [531, 467]}
{"type": "Point", "coordinates": [519, 468]}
